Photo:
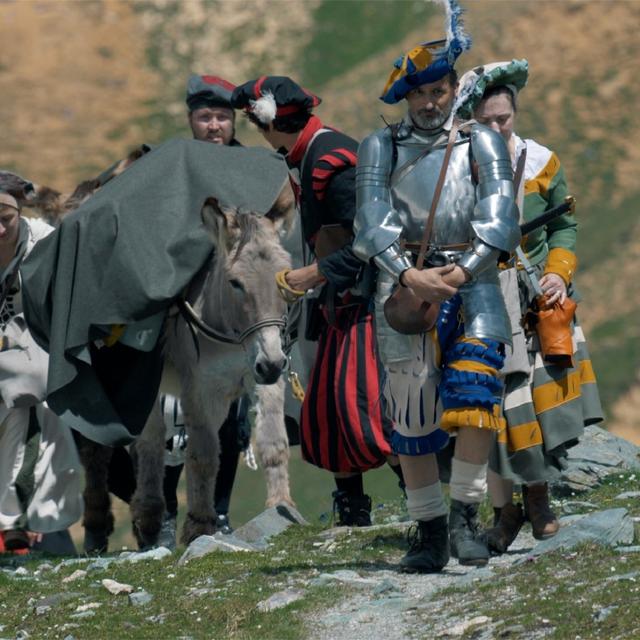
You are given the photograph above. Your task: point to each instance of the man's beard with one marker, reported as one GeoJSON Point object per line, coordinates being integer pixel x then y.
{"type": "Point", "coordinates": [423, 121]}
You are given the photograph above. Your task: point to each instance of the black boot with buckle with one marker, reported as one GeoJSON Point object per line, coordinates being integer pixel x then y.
{"type": "Point", "coordinates": [351, 510]}
{"type": "Point", "coordinates": [428, 546]}
{"type": "Point", "coordinates": [468, 542]}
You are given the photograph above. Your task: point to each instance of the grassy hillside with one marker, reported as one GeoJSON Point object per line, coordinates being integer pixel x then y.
{"type": "Point", "coordinates": [564, 594]}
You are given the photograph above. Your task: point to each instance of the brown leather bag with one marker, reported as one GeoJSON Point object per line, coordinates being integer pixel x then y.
{"type": "Point", "coordinates": [553, 326]}
{"type": "Point", "coordinates": [408, 314]}
{"type": "Point", "coordinates": [405, 312]}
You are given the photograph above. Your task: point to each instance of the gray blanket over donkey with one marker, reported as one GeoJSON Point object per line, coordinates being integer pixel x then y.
{"type": "Point", "coordinates": [124, 256]}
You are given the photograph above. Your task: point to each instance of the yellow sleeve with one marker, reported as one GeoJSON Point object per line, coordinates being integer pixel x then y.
{"type": "Point", "coordinates": [563, 262]}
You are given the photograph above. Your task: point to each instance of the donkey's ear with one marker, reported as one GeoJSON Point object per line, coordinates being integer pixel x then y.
{"type": "Point", "coordinates": [283, 211]}
{"type": "Point", "coordinates": [218, 221]}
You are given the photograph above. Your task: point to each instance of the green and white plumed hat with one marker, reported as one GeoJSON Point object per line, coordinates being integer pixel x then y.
{"type": "Point", "coordinates": [473, 84]}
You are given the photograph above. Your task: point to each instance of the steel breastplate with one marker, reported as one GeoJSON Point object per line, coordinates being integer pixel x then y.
{"type": "Point", "coordinates": [413, 192]}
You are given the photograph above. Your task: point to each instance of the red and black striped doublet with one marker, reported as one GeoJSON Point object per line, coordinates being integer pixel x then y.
{"type": "Point", "coordinates": [343, 424]}
{"type": "Point", "coordinates": [326, 166]}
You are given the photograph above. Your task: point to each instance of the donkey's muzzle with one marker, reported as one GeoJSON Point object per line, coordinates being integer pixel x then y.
{"type": "Point", "coordinates": [268, 371]}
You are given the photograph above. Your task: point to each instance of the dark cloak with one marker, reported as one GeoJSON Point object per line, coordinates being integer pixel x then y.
{"type": "Point", "coordinates": [122, 257]}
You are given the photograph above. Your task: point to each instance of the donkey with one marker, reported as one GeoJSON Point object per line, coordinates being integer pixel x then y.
{"type": "Point", "coordinates": [226, 341]}
{"type": "Point", "coordinates": [235, 291]}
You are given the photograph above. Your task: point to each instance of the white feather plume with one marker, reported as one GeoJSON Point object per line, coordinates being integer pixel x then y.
{"type": "Point", "coordinates": [264, 108]}
{"type": "Point", "coordinates": [458, 40]}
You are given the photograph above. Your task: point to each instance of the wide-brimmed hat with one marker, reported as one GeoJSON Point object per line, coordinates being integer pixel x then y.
{"type": "Point", "coordinates": [512, 74]}
{"type": "Point", "coordinates": [271, 97]}
{"type": "Point", "coordinates": [428, 61]}
{"type": "Point", "coordinates": [15, 189]}
{"type": "Point", "coordinates": [208, 91]}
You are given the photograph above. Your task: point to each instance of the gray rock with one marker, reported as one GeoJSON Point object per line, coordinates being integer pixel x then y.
{"type": "Point", "coordinates": [140, 598]}
{"type": "Point", "coordinates": [344, 576]}
{"type": "Point", "coordinates": [392, 603]}
{"type": "Point", "coordinates": [604, 613]}
{"type": "Point", "coordinates": [153, 554]}
{"type": "Point", "coordinates": [631, 549]}
{"type": "Point", "coordinates": [461, 628]}
{"type": "Point", "coordinates": [269, 523]}
{"type": "Point", "coordinates": [45, 566]}
{"type": "Point", "coordinates": [598, 454]}
{"type": "Point", "coordinates": [386, 586]}
{"type": "Point", "coordinates": [627, 495]}
{"type": "Point", "coordinates": [58, 598]}
{"type": "Point", "coordinates": [41, 610]}
{"type": "Point", "coordinates": [632, 575]}
{"type": "Point", "coordinates": [512, 631]}
{"type": "Point", "coordinates": [571, 506]}
{"type": "Point", "coordinates": [69, 562]}
{"type": "Point", "coordinates": [88, 606]}
{"type": "Point", "coordinates": [280, 599]}
{"type": "Point", "coordinates": [69, 637]}
{"type": "Point", "coordinates": [609, 528]}
{"type": "Point", "coordinates": [338, 532]}
{"type": "Point", "coordinates": [100, 564]}
{"type": "Point", "coordinates": [158, 618]}
{"type": "Point", "coordinates": [204, 545]}
{"type": "Point", "coordinates": [83, 614]}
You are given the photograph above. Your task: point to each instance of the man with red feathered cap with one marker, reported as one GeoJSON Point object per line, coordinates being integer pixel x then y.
{"type": "Point", "coordinates": [343, 423]}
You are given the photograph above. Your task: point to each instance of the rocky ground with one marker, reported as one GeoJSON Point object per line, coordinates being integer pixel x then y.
{"type": "Point", "coordinates": [274, 580]}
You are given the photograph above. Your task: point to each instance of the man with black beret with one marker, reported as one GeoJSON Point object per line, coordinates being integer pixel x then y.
{"type": "Point", "coordinates": [343, 426]}
{"type": "Point", "coordinates": [211, 116]}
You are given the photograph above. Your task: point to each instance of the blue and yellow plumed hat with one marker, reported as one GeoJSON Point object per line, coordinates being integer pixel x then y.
{"type": "Point", "coordinates": [429, 61]}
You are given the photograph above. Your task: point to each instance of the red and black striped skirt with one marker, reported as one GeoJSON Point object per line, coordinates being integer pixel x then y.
{"type": "Point", "coordinates": [344, 427]}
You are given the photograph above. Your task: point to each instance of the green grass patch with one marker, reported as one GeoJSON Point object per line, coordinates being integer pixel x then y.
{"type": "Point", "coordinates": [605, 229]}
{"type": "Point", "coordinates": [346, 33]}
{"type": "Point", "coordinates": [615, 352]}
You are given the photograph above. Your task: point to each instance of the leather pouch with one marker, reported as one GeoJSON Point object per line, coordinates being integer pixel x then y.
{"type": "Point", "coordinates": [553, 326]}
{"type": "Point", "coordinates": [408, 314]}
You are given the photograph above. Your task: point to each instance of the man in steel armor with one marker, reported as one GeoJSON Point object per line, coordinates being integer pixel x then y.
{"type": "Point", "coordinates": [444, 381]}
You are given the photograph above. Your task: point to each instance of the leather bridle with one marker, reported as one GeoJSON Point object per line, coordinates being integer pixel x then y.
{"type": "Point", "coordinates": [196, 323]}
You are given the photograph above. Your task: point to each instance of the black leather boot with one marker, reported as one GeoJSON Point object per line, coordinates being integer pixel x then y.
{"type": "Point", "coordinates": [428, 546]}
{"type": "Point", "coordinates": [351, 511]}
{"type": "Point", "coordinates": [468, 542]}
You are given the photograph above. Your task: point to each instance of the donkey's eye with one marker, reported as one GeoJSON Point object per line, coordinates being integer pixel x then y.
{"type": "Point", "coordinates": [236, 284]}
